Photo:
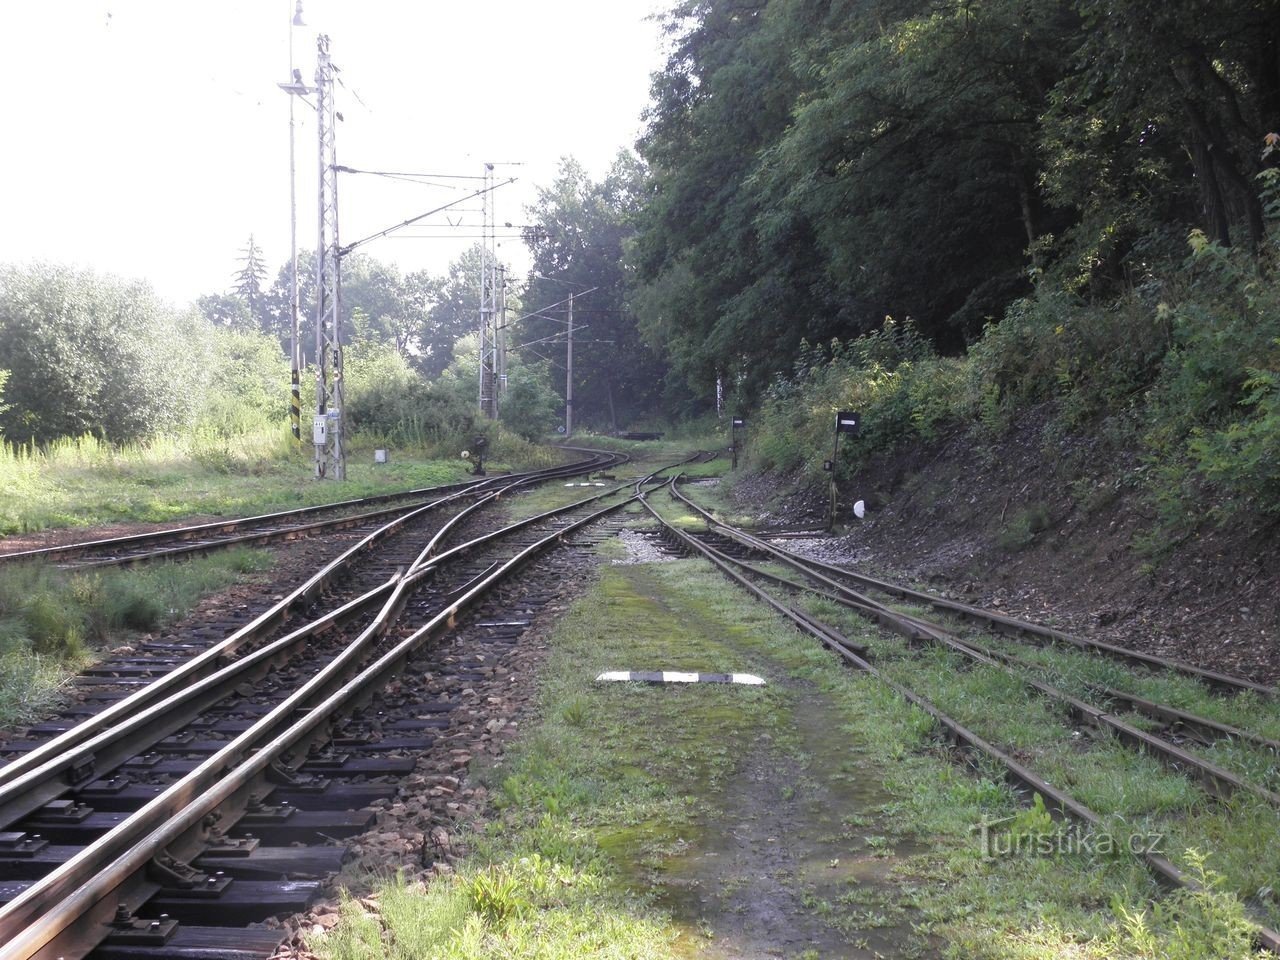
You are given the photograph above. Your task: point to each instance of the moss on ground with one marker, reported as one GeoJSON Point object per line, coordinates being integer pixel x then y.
{"type": "Point", "coordinates": [604, 799]}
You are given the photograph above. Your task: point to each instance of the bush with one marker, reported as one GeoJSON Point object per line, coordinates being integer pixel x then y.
{"type": "Point", "coordinates": [1191, 368]}
{"type": "Point", "coordinates": [91, 354]}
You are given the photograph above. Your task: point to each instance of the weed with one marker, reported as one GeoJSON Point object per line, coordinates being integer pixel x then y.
{"type": "Point", "coordinates": [1023, 526]}
{"type": "Point", "coordinates": [495, 894]}
{"type": "Point", "coordinates": [50, 618]}
{"type": "Point", "coordinates": [574, 712]}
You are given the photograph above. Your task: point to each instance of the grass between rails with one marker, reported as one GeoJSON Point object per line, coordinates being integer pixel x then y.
{"type": "Point", "coordinates": [601, 803]}
{"type": "Point", "coordinates": [52, 622]}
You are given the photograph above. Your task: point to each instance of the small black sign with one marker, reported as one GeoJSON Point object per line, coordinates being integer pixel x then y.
{"type": "Point", "coordinates": [846, 422]}
{"type": "Point", "coordinates": [738, 422]}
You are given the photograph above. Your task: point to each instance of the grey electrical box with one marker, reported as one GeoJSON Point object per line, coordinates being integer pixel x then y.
{"type": "Point", "coordinates": [320, 430]}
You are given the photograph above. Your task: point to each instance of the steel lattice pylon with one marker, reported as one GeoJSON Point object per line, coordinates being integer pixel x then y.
{"type": "Point", "coordinates": [330, 454]}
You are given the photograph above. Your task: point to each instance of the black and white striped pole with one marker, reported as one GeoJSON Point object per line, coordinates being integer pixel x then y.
{"type": "Point", "coordinates": [295, 88]}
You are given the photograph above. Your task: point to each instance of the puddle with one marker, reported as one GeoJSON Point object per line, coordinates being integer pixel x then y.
{"type": "Point", "coordinates": [794, 864]}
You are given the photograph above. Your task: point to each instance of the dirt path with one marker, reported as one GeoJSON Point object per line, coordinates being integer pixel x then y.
{"type": "Point", "coordinates": [794, 857]}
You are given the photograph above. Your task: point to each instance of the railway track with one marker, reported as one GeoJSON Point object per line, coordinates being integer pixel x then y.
{"type": "Point", "coordinates": [163, 821]}
{"type": "Point", "coordinates": [779, 577]}
{"type": "Point", "coordinates": [189, 540]}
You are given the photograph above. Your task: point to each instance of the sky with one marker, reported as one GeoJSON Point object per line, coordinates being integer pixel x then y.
{"type": "Point", "coordinates": [149, 139]}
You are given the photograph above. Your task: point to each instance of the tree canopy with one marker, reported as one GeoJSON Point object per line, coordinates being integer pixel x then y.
{"type": "Point", "coordinates": [816, 165]}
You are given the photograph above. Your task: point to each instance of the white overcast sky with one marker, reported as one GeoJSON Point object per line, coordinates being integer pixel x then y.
{"type": "Point", "coordinates": [148, 138]}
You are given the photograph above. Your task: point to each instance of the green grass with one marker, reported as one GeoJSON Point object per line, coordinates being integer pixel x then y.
{"type": "Point", "coordinates": [76, 483]}
{"type": "Point", "coordinates": [582, 842]}
{"type": "Point", "coordinates": [53, 622]}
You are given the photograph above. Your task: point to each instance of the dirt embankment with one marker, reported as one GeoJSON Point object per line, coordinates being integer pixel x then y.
{"type": "Point", "coordinates": [1059, 529]}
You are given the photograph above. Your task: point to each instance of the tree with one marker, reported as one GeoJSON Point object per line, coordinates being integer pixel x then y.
{"type": "Point", "coordinates": [703, 285]}
{"type": "Point", "coordinates": [92, 354]}
{"type": "Point", "coordinates": [224, 310]}
{"type": "Point", "coordinates": [454, 310]}
{"type": "Point", "coordinates": [248, 283]}
{"type": "Point", "coordinates": [577, 245]}
{"type": "Point", "coordinates": [1167, 129]}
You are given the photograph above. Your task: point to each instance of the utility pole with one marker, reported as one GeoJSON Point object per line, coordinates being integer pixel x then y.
{"type": "Point", "coordinates": [568, 378]}
{"type": "Point", "coordinates": [488, 335]}
{"type": "Point", "coordinates": [331, 458]}
{"type": "Point", "coordinates": [295, 87]}
{"type": "Point", "coordinates": [502, 331]}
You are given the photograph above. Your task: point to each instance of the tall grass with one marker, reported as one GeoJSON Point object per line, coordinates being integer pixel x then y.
{"type": "Point", "coordinates": [52, 621]}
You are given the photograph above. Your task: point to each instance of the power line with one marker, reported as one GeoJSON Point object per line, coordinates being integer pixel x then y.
{"type": "Point", "coordinates": [402, 173]}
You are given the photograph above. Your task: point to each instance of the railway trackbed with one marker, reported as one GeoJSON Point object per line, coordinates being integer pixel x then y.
{"type": "Point", "coordinates": [361, 513]}
{"type": "Point", "coordinates": [1217, 731]}
{"type": "Point", "coordinates": [192, 792]}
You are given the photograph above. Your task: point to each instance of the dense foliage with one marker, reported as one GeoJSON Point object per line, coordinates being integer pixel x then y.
{"type": "Point", "coordinates": [1015, 182]}
{"type": "Point", "coordinates": [816, 165]}
{"type": "Point", "coordinates": [582, 229]}
{"type": "Point", "coordinates": [83, 354]}
{"type": "Point", "coordinates": [89, 354]}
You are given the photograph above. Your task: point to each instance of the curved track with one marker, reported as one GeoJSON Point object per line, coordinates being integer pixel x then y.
{"type": "Point", "coordinates": [188, 762]}
{"type": "Point", "coordinates": [175, 542]}
{"type": "Point", "coordinates": [738, 555]}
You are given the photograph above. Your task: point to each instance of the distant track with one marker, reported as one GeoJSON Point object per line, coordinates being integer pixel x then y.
{"type": "Point", "coordinates": [176, 542]}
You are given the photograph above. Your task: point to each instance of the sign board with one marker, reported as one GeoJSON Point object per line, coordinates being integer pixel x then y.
{"type": "Point", "coordinates": [319, 430]}
{"type": "Point", "coordinates": [738, 422]}
{"type": "Point", "coordinates": [380, 455]}
{"type": "Point", "coordinates": [827, 466]}
{"type": "Point", "coordinates": [847, 422]}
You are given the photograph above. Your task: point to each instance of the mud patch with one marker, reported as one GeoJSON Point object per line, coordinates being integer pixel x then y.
{"type": "Point", "coordinates": [797, 861]}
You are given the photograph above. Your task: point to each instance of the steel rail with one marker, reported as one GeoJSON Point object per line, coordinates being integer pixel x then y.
{"type": "Point", "coordinates": [1002, 622]}
{"type": "Point", "coordinates": [1056, 799]}
{"type": "Point", "coordinates": [222, 526]}
{"type": "Point", "coordinates": [228, 526]}
{"type": "Point", "coordinates": [26, 790]}
{"type": "Point", "coordinates": [85, 890]}
{"type": "Point", "coordinates": [209, 660]}
{"type": "Point", "coordinates": [259, 537]}
{"type": "Point", "coordinates": [1217, 780]}
{"type": "Point", "coordinates": [905, 625]}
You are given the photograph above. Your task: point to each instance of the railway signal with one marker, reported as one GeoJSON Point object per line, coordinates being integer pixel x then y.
{"type": "Point", "coordinates": [735, 425]}
{"type": "Point", "coordinates": [850, 422]}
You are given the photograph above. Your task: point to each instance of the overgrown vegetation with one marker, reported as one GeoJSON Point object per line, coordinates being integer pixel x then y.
{"type": "Point", "coordinates": [616, 790]}
{"type": "Point", "coordinates": [87, 481]}
{"type": "Point", "coordinates": [52, 621]}
{"type": "Point", "coordinates": [1186, 371]}
{"type": "Point", "coordinates": [95, 362]}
